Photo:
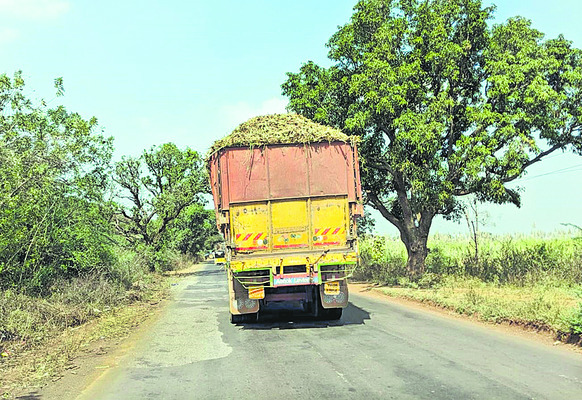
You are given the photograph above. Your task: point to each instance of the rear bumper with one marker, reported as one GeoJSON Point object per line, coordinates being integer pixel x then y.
{"type": "Point", "coordinates": [304, 297]}
{"type": "Point", "coordinates": [308, 269]}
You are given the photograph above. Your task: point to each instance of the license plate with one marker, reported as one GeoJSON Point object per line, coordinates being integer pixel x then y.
{"type": "Point", "coordinates": [331, 288]}
{"type": "Point", "coordinates": [256, 292]}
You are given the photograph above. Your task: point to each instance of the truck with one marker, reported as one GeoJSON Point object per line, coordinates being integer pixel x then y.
{"type": "Point", "coordinates": [287, 194]}
{"type": "Point", "coordinates": [219, 257]}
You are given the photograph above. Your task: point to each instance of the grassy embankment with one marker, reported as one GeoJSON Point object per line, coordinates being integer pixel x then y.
{"type": "Point", "coordinates": [533, 281]}
{"type": "Point", "coordinates": [40, 335]}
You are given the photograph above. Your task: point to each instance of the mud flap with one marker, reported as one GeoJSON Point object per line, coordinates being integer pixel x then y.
{"type": "Point", "coordinates": [239, 298]}
{"type": "Point", "coordinates": [339, 300]}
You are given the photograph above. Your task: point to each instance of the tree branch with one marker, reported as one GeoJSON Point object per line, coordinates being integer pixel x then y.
{"type": "Point", "coordinates": [533, 161]}
{"type": "Point", "coordinates": [381, 165]}
{"type": "Point", "coordinates": [388, 132]}
{"type": "Point", "coordinates": [378, 205]}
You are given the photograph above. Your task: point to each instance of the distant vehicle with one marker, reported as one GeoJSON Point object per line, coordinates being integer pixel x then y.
{"type": "Point", "coordinates": [288, 214]}
{"type": "Point", "coordinates": [219, 257]}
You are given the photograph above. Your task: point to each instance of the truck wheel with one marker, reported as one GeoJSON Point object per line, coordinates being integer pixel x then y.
{"type": "Point", "coordinates": [318, 311]}
{"type": "Point", "coordinates": [237, 318]}
{"type": "Point", "coordinates": [253, 317]}
{"type": "Point", "coordinates": [241, 318]}
{"type": "Point", "coordinates": [333, 313]}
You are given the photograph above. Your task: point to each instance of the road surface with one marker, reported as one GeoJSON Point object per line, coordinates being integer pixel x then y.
{"type": "Point", "coordinates": [378, 350]}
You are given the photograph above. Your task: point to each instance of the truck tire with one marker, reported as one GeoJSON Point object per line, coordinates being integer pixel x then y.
{"type": "Point", "coordinates": [242, 318]}
{"type": "Point", "coordinates": [333, 313]}
{"type": "Point", "coordinates": [236, 318]}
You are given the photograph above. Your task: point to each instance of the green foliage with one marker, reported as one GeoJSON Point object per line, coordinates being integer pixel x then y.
{"type": "Point", "coordinates": [61, 262]}
{"type": "Point", "coordinates": [366, 224]}
{"type": "Point", "coordinates": [446, 105]}
{"type": "Point", "coordinates": [53, 169]}
{"type": "Point", "coordinates": [164, 187]}
{"type": "Point", "coordinates": [551, 308]}
{"type": "Point", "coordinates": [30, 320]}
{"type": "Point", "coordinates": [575, 321]}
{"type": "Point", "coordinates": [55, 219]}
{"type": "Point", "coordinates": [194, 231]}
{"type": "Point", "coordinates": [381, 260]}
{"type": "Point", "coordinates": [534, 281]}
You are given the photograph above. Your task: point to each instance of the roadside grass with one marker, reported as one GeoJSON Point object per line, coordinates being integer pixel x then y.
{"type": "Point", "coordinates": [531, 281]}
{"type": "Point", "coordinates": [33, 366]}
{"type": "Point", "coordinates": [40, 335]}
{"type": "Point", "coordinates": [541, 307]}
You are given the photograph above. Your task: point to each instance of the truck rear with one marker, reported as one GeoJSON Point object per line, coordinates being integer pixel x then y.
{"type": "Point", "coordinates": [287, 208]}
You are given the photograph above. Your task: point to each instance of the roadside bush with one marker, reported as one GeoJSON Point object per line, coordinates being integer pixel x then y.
{"type": "Point", "coordinates": [575, 321]}
{"type": "Point", "coordinates": [54, 175]}
{"type": "Point", "coordinates": [129, 267]}
{"type": "Point", "coordinates": [31, 319]}
{"type": "Point", "coordinates": [381, 260]}
{"type": "Point", "coordinates": [54, 237]}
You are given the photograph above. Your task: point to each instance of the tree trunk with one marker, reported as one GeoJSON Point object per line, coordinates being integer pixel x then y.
{"type": "Point", "coordinates": [417, 252]}
{"type": "Point", "coordinates": [415, 238]}
{"type": "Point", "coordinates": [414, 229]}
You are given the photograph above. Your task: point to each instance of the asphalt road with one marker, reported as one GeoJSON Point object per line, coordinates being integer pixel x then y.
{"type": "Point", "coordinates": [378, 350]}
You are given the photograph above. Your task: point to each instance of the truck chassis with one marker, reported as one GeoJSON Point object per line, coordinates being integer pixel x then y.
{"type": "Point", "coordinates": [316, 286]}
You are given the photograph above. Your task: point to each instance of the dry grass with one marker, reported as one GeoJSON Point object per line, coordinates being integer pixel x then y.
{"type": "Point", "coordinates": [278, 129]}
{"type": "Point", "coordinates": [548, 308]}
{"type": "Point", "coordinates": [40, 336]}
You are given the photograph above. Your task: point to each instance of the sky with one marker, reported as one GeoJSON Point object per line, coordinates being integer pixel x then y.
{"type": "Point", "coordinates": [189, 71]}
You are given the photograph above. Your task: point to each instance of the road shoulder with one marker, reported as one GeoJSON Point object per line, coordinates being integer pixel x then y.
{"type": "Point", "coordinates": [102, 353]}
{"type": "Point", "coordinates": [372, 290]}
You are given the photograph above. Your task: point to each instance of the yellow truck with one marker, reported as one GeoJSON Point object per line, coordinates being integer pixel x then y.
{"type": "Point", "coordinates": [287, 194]}
{"type": "Point", "coordinates": [219, 257]}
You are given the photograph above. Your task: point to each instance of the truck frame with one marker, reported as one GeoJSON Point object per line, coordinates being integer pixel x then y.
{"type": "Point", "coordinates": [288, 215]}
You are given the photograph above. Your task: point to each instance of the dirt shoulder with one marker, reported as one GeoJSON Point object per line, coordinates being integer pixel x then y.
{"type": "Point", "coordinates": [94, 353]}
{"type": "Point", "coordinates": [79, 355]}
{"type": "Point", "coordinates": [523, 331]}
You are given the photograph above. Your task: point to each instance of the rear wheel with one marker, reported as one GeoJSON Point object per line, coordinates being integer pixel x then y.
{"type": "Point", "coordinates": [318, 310]}
{"type": "Point", "coordinates": [242, 318]}
{"type": "Point", "coordinates": [236, 318]}
{"type": "Point", "coordinates": [333, 313]}
{"type": "Point", "coordinates": [325, 313]}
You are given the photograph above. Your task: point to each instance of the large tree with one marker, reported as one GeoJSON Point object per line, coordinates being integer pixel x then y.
{"type": "Point", "coordinates": [446, 105]}
{"type": "Point", "coordinates": [160, 185]}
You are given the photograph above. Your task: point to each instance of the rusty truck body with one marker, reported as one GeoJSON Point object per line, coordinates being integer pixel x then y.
{"type": "Point", "coordinates": [288, 215]}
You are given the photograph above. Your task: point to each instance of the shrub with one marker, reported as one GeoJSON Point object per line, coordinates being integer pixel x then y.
{"type": "Point", "coordinates": [503, 260]}
{"type": "Point", "coordinates": [382, 260]}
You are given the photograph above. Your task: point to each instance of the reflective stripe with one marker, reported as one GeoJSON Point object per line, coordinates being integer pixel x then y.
{"type": "Point", "coordinates": [282, 246]}
{"type": "Point", "coordinates": [252, 248]}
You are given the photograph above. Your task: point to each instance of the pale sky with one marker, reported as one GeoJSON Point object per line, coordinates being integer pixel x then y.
{"type": "Point", "coordinates": [189, 72]}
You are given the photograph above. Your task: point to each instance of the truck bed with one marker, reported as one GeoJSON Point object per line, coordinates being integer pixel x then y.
{"type": "Point", "coordinates": [284, 198]}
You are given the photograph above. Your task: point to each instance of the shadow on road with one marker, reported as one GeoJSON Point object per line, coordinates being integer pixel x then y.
{"type": "Point", "coordinates": [352, 315]}
{"type": "Point", "coordinates": [30, 396]}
